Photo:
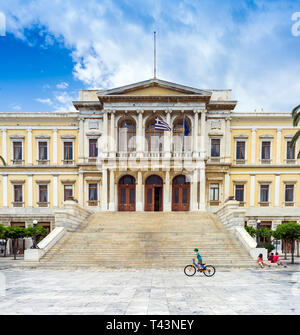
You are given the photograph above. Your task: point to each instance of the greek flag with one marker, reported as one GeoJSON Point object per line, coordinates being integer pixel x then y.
{"type": "Point", "coordinates": [161, 125]}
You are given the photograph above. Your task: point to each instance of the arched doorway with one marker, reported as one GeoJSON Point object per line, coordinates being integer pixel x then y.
{"type": "Point", "coordinates": [180, 194]}
{"type": "Point", "coordinates": [126, 194]}
{"type": "Point", "coordinates": [154, 193]}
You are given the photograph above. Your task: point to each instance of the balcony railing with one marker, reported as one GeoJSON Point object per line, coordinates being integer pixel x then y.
{"type": "Point", "coordinates": [43, 204]}
{"type": "Point", "coordinates": [93, 202]}
{"type": "Point", "coordinates": [18, 204]}
{"type": "Point", "coordinates": [240, 161]}
{"type": "Point", "coordinates": [291, 161]}
{"type": "Point", "coordinates": [264, 203]}
{"type": "Point", "coordinates": [43, 162]}
{"type": "Point", "coordinates": [18, 162]}
{"type": "Point", "coordinates": [289, 203]}
{"type": "Point", "coordinates": [67, 161]}
{"type": "Point", "coordinates": [266, 161]}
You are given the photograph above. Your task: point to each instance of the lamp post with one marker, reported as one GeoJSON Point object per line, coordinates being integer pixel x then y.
{"type": "Point", "coordinates": [257, 234]}
{"type": "Point", "coordinates": [34, 245]}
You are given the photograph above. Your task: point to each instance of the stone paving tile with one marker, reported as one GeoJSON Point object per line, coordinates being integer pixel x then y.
{"type": "Point", "coordinates": [150, 292]}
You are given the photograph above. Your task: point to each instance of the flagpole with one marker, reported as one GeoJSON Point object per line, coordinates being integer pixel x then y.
{"type": "Point", "coordinates": [154, 67]}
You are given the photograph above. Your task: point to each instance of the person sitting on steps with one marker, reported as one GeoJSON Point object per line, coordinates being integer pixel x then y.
{"type": "Point", "coordinates": [277, 261]}
{"type": "Point", "coordinates": [261, 262]}
{"type": "Point", "coordinates": [199, 259]}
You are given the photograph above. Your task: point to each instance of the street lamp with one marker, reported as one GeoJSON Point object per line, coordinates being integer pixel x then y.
{"type": "Point", "coordinates": [257, 234]}
{"type": "Point", "coordinates": [34, 245]}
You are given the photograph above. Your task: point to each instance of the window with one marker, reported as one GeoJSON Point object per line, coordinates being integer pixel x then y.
{"type": "Point", "coordinates": [214, 192]}
{"type": "Point", "coordinates": [240, 150]}
{"type": "Point", "coordinates": [93, 194]}
{"type": "Point", "coordinates": [180, 143]}
{"type": "Point", "coordinates": [18, 195]}
{"type": "Point", "coordinates": [239, 193]}
{"type": "Point", "coordinates": [289, 193]}
{"type": "Point", "coordinates": [290, 151]}
{"type": "Point", "coordinates": [43, 151]}
{"type": "Point", "coordinates": [215, 147]}
{"type": "Point", "coordinates": [43, 196]}
{"type": "Point", "coordinates": [154, 138]}
{"type": "Point", "coordinates": [17, 151]}
{"type": "Point", "coordinates": [93, 149]}
{"type": "Point", "coordinates": [68, 151]}
{"type": "Point", "coordinates": [68, 192]}
{"type": "Point", "coordinates": [127, 138]}
{"type": "Point", "coordinates": [266, 150]}
{"type": "Point", "coordinates": [264, 193]}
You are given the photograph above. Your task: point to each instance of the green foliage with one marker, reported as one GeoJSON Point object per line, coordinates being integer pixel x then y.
{"type": "Point", "coordinates": [15, 232]}
{"type": "Point", "coordinates": [265, 232]}
{"type": "Point", "coordinates": [41, 232]}
{"type": "Point", "coordinates": [2, 232]}
{"type": "Point", "coordinates": [288, 231]}
{"type": "Point", "coordinates": [296, 119]}
{"type": "Point", "coordinates": [251, 231]}
{"type": "Point", "coordinates": [267, 245]}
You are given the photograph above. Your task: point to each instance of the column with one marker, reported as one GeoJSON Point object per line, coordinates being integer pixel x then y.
{"type": "Point", "coordinates": [55, 146]}
{"type": "Point", "coordinates": [278, 147]}
{"type": "Point", "coordinates": [196, 133]}
{"type": "Point", "coordinates": [4, 190]}
{"type": "Point", "coordinates": [111, 190]}
{"type": "Point", "coordinates": [228, 141]}
{"type": "Point", "coordinates": [253, 146]}
{"type": "Point", "coordinates": [4, 152]}
{"type": "Point", "coordinates": [104, 190]}
{"type": "Point", "coordinates": [167, 202]}
{"type": "Point", "coordinates": [29, 189]}
{"type": "Point", "coordinates": [55, 191]}
{"type": "Point", "coordinates": [167, 136]}
{"type": "Point", "coordinates": [139, 191]}
{"type": "Point", "coordinates": [81, 140]}
{"type": "Point", "coordinates": [277, 190]}
{"type": "Point", "coordinates": [105, 132]}
{"type": "Point", "coordinates": [202, 204]}
{"type": "Point", "coordinates": [81, 190]}
{"type": "Point", "coordinates": [252, 189]}
{"type": "Point", "coordinates": [112, 139]}
{"type": "Point", "coordinates": [29, 146]}
{"type": "Point", "coordinates": [226, 186]}
{"type": "Point", "coordinates": [194, 195]}
{"type": "Point", "coordinates": [203, 135]}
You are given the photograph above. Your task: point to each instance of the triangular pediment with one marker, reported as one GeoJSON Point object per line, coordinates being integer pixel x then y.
{"type": "Point", "coordinates": [155, 87]}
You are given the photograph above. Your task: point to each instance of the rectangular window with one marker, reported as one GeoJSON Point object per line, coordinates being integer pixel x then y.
{"type": "Point", "coordinates": [18, 193]}
{"type": "Point", "coordinates": [17, 151]}
{"type": "Point", "coordinates": [239, 192]}
{"type": "Point", "coordinates": [68, 151]}
{"type": "Point", "coordinates": [43, 151]}
{"type": "Point", "coordinates": [43, 193]}
{"type": "Point", "coordinates": [265, 150]}
{"type": "Point", "coordinates": [289, 193]}
{"type": "Point", "coordinates": [93, 149]}
{"type": "Point", "coordinates": [240, 150]}
{"type": "Point", "coordinates": [68, 192]}
{"type": "Point", "coordinates": [290, 151]}
{"type": "Point", "coordinates": [215, 148]}
{"type": "Point", "coordinates": [264, 193]}
{"type": "Point", "coordinates": [214, 192]}
{"type": "Point", "coordinates": [93, 192]}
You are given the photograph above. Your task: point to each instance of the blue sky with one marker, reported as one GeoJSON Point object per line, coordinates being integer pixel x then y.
{"type": "Point", "coordinates": [53, 48]}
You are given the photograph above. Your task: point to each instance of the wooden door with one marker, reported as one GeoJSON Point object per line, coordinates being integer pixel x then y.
{"type": "Point", "coordinates": [180, 194]}
{"type": "Point", "coordinates": [153, 198]}
{"type": "Point", "coordinates": [127, 198]}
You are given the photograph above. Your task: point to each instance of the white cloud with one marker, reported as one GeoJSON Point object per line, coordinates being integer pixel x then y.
{"type": "Point", "coordinates": [62, 86]}
{"type": "Point", "coordinates": [16, 107]}
{"type": "Point", "coordinates": [246, 46]}
{"type": "Point", "coordinates": [44, 101]}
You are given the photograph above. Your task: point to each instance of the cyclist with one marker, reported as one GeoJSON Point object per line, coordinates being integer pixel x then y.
{"type": "Point", "coordinates": [199, 259]}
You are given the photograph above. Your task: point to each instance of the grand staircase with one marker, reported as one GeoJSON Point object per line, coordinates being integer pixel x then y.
{"type": "Point", "coordinates": [136, 240]}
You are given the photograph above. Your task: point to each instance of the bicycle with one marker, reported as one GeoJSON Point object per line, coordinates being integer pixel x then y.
{"type": "Point", "coordinates": [208, 270]}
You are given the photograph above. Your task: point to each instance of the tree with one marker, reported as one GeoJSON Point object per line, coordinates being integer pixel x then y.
{"type": "Point", "coordinates": [251, 231]}
{"type": "Point", "coordinates": [296, 119]}
{"type": "Point", "coordinates": [14, 233]}
{"type": "Point", "coordinates": [265, 233]}
{"type": "Point", "coordinates": [40, 232]}
{"type": "Point", "coordinates": [3, 236]}
{"type": "Point", "coordinates": [289, 232]}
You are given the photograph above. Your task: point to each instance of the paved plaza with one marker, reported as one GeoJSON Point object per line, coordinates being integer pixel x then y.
{"type": "Point", "coordinates": [267, 291]}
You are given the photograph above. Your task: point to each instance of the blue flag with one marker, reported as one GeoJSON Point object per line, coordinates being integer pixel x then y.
{"type": "Point", "coordinates": [186, 128]}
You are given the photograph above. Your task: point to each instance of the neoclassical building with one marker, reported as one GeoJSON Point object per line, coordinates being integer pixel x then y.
{"type": "Point", "coordinates": [108, 156]}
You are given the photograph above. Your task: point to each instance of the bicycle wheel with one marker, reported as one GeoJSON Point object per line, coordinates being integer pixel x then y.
{"type": "Point", "coordinates": [209, 270]}
{"type": "Point", "coordinates": [190, 270]}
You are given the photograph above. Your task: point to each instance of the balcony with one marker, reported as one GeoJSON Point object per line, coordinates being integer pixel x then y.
{"type": "Point", "coordinates": [93, 202]}
{"type": "Point", "coordinates": [240, 161]}
{"type": "Point", "coordinates": [67, 161]}
{"type": "Point", "coordinates": [43, 162]}
{"type": "Point", "coordinates": [43, 204]}
{"type": "Point", "coordinates": [241, 203]}
{"type": "Point", "coordinates": [264, 203]}
{"type": "Point", "coordinates": [214, 203]}
{"type": "Point", "coordinates": [291, 161]}
{"type": "Point", "coordinates": [126, 154]}
{"type": "Point", "coordinates": [289, 203]}
{"type": "Point", "coordinates": [18, 162]}
{"type": "Point", "coordinates": [18, 204]}
{"type": "Point", "coordinates": [266, 161]}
